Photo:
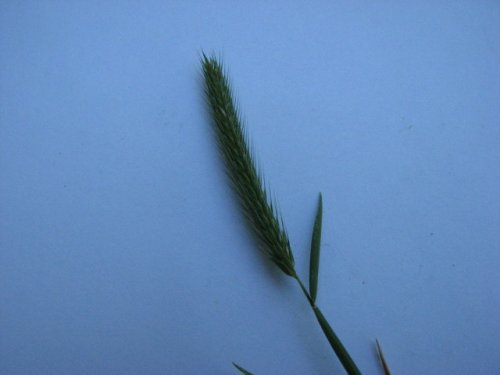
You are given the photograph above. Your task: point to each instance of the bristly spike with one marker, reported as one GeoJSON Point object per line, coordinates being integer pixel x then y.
{"type": "Point", "coordinates": [246, 178]}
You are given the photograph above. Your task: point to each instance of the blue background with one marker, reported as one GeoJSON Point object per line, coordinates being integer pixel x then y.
{"type": "Point", "coordinates": [122, 250]}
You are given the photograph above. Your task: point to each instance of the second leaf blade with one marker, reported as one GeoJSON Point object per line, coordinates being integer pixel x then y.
{"type": "Point", "coordinates": [315, 251]}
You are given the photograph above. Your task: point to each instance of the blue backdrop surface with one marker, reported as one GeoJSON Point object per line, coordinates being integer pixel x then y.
{"type": "Point", "coordinates": [122, 250]}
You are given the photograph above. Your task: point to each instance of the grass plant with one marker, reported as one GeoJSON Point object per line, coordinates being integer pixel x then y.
{"type": "Point", "coordinates": [260, 211]}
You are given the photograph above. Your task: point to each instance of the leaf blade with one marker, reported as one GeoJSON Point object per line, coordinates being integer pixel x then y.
{"type": "Point", "coordinates": [381, 357]}
{"type": "Point", "coordinates": [242, 370]}
{"type": "Point", "coordinates": [315, 250]}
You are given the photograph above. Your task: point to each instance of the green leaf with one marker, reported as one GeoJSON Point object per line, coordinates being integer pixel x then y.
{"type": "Point", "coordinates": [242, 370]}
{"type": "Point", "coordinates": [315, 251]}
{"type": "Point", "coordinates": [380, 353]}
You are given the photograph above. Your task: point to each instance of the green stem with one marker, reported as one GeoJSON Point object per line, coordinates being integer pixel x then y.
{"type": "Point", "coordinates": [335, 343]}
